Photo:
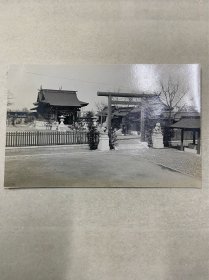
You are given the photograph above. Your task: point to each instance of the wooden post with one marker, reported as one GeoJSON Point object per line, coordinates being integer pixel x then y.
{"type": "Point", "coordinates": [37, 135]}
{"type": "Point", "coordinates": [109, 116]}
{"type": "Point", "coordinates": [198, 142]}
{"type": "Point", "coordinates": [182, 139]}
{"type": "Point", "coordinates": [194, 137]}
{"type": "Point", "coordinates": [142, 120]}
{"type": "Point", "coordinates": [55, 115]}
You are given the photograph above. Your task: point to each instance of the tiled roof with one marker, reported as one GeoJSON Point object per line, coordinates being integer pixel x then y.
{"type": "Point", "coordinates": [60, 98]}
{"type": "Point", "coordinates": [190, 123]}
{"type": "Point", "coordinates": [181, 114]}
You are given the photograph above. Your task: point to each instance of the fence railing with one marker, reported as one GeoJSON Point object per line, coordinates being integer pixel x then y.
{"type": "Point", "coordinates": [45, 138]}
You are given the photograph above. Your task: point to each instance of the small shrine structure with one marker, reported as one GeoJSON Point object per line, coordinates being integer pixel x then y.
{"type": "Point", "coordinates": [189, 124]}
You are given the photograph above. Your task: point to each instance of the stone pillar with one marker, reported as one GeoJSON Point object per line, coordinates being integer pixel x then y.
{"type": "Point", "coordinates": [103, 139]}
{"type": "Point", "coordinates": [103, 142]}
{"type": "Point", "coordinates": [157, 137]}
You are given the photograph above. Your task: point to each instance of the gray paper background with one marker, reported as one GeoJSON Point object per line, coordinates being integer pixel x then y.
{"type": "Point", "coordinates": [104, 233]}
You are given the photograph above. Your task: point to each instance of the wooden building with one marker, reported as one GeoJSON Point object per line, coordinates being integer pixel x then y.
{"type": "Point", "coordinates": [191, 125]}
{"type": "Point", "coordinates": [51, 104]}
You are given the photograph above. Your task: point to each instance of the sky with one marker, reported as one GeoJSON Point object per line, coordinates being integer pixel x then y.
{"type": "Point", "coordinates": [25, 80]}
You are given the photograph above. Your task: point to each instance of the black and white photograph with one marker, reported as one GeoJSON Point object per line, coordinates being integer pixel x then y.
{"type": "Point", "coordinates": [111, 126]}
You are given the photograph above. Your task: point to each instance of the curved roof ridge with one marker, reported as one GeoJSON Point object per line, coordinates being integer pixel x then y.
{"type": "Point", "coordinates": [60, 98]}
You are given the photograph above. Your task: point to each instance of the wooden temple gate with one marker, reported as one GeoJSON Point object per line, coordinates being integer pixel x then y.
{"type": "Point", "coordinates": [142, 101]}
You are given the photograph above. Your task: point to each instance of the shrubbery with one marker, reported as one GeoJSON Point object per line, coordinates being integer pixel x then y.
{"type": "Point", "coordinates": [93, 138]}
{"type": "Point", "coordinates": [112, 139]}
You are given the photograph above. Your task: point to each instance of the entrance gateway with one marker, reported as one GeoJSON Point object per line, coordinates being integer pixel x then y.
{"type": "Point", "coordinates": [113, 101]}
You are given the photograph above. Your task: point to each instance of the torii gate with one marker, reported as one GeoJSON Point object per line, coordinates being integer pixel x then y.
{"type": "Point", "coordinates": [142, 102]}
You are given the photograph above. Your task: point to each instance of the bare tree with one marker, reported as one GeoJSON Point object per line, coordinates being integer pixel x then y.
{"type": "Point", "coordinates": [100, 106]}
{"type": "Point", "coordinates": [172, 95]}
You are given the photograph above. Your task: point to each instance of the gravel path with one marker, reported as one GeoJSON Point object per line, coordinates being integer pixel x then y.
{"type": "Point", "coordinates": [183, 162]}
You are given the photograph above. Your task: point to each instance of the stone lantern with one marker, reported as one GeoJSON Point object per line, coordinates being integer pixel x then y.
{"type": "Point", "coordinates": [62, 126]}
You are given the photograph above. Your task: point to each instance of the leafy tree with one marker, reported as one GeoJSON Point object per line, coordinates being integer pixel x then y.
{"type": "Point", "coordinates": [93, 134]}
{"type": "Point", "coordinates": [93, 138]}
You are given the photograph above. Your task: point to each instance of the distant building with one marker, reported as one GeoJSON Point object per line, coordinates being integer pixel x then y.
{"type": "Point", "coordinates": [51, 104]}
{"type": "Point", "coordinates": [20, 117]}
{"type": "Point", "coordinates": [129, 117]}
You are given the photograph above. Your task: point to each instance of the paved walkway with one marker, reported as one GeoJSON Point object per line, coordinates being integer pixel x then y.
{"type": "Point", "coordinates": [65, 166]}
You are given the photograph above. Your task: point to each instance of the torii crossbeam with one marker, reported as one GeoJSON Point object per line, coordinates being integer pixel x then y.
{"type": "Point", "coordinates": [143, 96]}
